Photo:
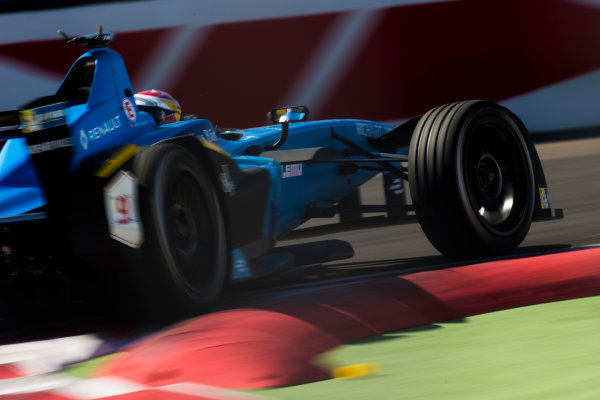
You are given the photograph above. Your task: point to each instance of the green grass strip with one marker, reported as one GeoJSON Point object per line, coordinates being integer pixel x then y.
{"type": "Point", "coordinates": [84, 369]}
{"type": "Point", "coordinates": [547, 351]}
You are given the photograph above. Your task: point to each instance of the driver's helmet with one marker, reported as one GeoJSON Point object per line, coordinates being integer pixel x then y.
{"type": "Point", "coordinates": [161, 105]}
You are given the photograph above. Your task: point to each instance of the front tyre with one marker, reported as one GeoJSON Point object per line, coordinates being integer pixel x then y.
{"type": "Point", "coordinates": [186, 247]}
{"type": "Point", "coordinates": [471, 178]}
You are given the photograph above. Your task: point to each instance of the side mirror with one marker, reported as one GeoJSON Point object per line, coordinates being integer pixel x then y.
{"type": "Point", "coordinates": [288, 114]}
{"type": "Point", "coordinates": [284, 116]}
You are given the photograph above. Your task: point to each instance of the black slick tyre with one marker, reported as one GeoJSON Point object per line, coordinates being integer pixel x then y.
{"type": "Point", "coordinates": [185, 251]}
{"type": "Point", "coordinates": [471, 178]}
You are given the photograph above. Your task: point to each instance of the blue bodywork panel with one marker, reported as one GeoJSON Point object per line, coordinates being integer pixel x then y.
{"type": "Point", "coordinates": [19, 184]}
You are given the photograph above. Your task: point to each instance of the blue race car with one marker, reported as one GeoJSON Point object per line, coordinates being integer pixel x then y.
{"type": "Point", "coordinates": [93, 175]}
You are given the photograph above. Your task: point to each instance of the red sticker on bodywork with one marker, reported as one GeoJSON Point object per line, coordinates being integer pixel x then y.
{"type": "Point", "coordinates": [129, 110]}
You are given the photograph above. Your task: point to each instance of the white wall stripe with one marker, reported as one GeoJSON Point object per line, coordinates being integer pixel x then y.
{"type": "Point", "coordinates": [94, 388]}
{"type": "Point", "coordinates": [20, 83]}
{"type": "Point", "coordinates": [201, 390]}
{"type": "Point", "coordinates": [570, 104]}
{"type": "Point", "coordinates": [332, 57]}
{"type": "Point", "coordinates": [169, 58]}
{"type": "Point", "coordinates": [49, 355]}
{"type": "Point", "coordinates": [32, 384]}
{"type": "Point", "coordinates": [587, 3]}
{"type": "Point", "coordinates": [101, 387]}
{"type": "Point", "coordinates": [140, 15]}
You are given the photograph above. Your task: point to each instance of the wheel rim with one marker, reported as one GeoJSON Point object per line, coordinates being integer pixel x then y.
{"type": "Point", "coordinates": [489, 177]}
{"type": "Point", "coordinates": [497, 174]}
{"type": "Point", "coordinates": [188, 224]}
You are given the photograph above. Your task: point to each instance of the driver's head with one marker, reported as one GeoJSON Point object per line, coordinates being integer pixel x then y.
{"type": "Point", "coordinates": [161, 105]}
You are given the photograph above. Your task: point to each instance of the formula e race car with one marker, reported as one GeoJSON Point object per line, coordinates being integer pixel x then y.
{"type": "Point", "coordinates": [88, 175]}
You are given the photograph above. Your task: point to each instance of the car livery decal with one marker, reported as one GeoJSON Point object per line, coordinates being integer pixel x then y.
{"type": "Point", "coordinates": [48, 146]}
{"type": "Point", "coordinates": [226, 182]}
{"type": "Point", "coordinates": [129, 110]}
{"type": "Point", "coordinates": [545, 202]}
{"type": "Point", "coordinates": [91, 135]}
{"type": "Point", "coordinates": [210, 135]}
{"type": "Point", "coordinates": [122, 210]}
{"type": "Point", "coordinates": [397, 187]}
{"type": "Point", "coordinates": [213, 147]}
{"type": "Point", "coordinates": [43, 117]}
{"type": "Point", "coordinates": [370, 130]}
{"type": "Point", "coordinates": [291, 170]}
{"type": "Point", "coordinates": [115, 162]}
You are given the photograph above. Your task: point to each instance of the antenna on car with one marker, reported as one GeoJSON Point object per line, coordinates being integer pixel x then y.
{"type": "Point", "coordinates": [91, 40]}
{"type": "Point", "coordinates": [63, 34]}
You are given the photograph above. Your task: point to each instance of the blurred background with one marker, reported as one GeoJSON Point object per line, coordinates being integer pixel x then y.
{"type": "Point", "coordinates": [386, 60]}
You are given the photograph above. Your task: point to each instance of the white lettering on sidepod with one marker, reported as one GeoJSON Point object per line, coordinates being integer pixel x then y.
{"type": "Point", "coordinates": [291, 170]}
{"type": "Point", "coordinates": [85, 138]}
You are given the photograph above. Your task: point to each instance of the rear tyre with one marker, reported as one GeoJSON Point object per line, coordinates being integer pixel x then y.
{"type": "Point", "coordinates": [186, 248]}
{"type": "Point", "coordinates": [471, 178]}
